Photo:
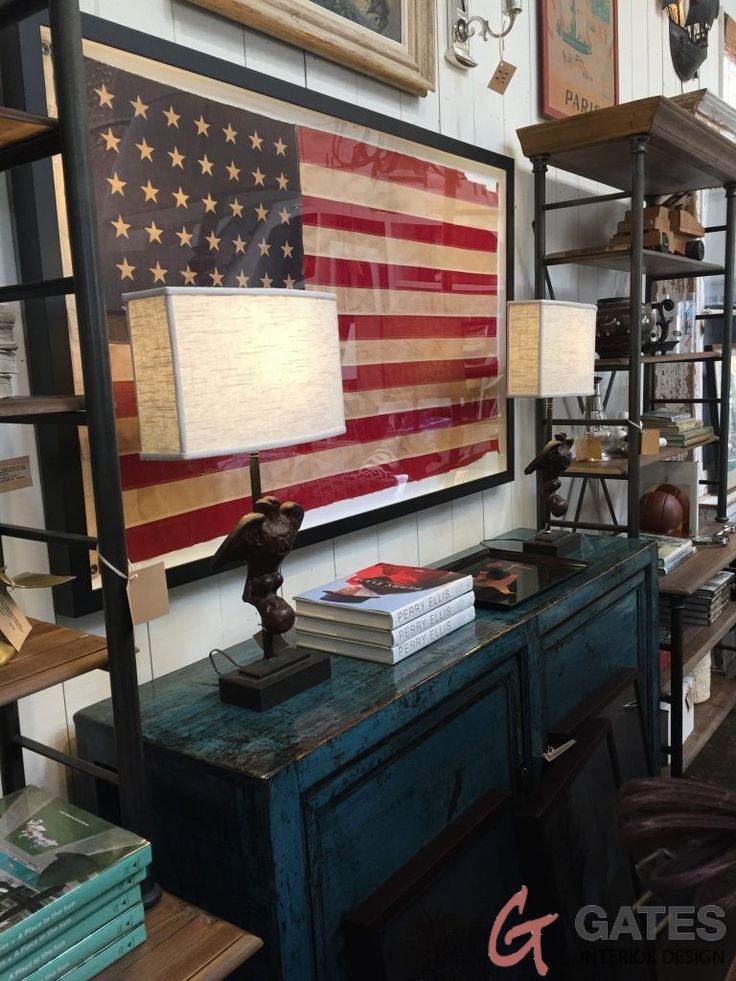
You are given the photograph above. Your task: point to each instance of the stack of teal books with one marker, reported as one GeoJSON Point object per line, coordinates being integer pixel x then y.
{"type": "Point", "coordinates": [70, 889]}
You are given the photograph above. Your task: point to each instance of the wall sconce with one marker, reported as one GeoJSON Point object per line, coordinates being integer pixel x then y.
{"type": "Point", "coordinates": [690, 22]}
{"type": "Point", "coordinates": [461, 26]}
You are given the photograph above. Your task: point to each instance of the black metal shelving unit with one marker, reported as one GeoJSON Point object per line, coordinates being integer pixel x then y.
{"type": "Point", "coordinates": [646, 149]}
{"type": "Point", "coordinates": [24, 139]}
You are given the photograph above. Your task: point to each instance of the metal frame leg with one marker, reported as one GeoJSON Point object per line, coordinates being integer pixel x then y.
{"type": "Point", "coordinates": [677, 609]}
{"type": "Point", "coordinates": [539, 167]}
{"type": "Point", "coordinates": [12, 771]}
{"type": "Point", "coordinates": [725, 408]}
{"type": "Point", "coordinates": [638, 151]}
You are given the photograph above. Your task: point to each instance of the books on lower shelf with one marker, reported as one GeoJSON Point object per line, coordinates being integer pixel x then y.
{"type": "Point", "coordinates": [70, 897]}
{"type": "Point", "coordinates": [704, 606]}
{"type": "Point", "coordinates": [384, 613]}
{"type": "Point", "coordinates": [671, 552]}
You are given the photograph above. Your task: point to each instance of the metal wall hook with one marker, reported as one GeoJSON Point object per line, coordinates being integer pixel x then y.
{"type": "Point", "coordinates": [461, 26]}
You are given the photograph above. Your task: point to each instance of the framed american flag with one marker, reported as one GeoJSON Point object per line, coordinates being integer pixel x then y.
{"type": "Point", "coordinates": [207, 174]}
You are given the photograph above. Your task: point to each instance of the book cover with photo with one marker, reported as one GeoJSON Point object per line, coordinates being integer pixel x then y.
{"type": "Point", "coordinates": [384, 594]}
{"type": "Point", "coordinates": [55, 857]}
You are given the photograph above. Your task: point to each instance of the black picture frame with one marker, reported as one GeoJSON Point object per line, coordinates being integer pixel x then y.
{"type": "Point", "coordinates": [571, 858]}
{"type": "Point", "coordinates": [433, 918]}
{"type": "Point", "coordinates": [558, 570]}
{"type": "Point", "coordinates": [47, 334]}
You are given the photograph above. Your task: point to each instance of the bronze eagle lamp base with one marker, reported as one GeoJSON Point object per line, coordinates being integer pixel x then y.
{"type": "Point", "coordinates": [550, 463]}
{"type": "Point", "coordinates": [263, 539]}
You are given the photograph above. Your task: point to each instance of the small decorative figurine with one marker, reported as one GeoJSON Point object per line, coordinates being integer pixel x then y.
{"type": "Point", "coordinates": [263, 539]}
{"type": "Point", "coordinates": [551, 463]}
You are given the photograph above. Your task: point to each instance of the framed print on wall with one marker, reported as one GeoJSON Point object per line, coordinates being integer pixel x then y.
{"type": "Point", "coordinates": [207, 174]}
{"type": "Point", "coordinates": [391, 40]}
{"type": "Point", "coordinates": [579, 56]}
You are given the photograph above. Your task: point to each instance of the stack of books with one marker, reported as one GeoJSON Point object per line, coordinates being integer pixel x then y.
{"type": "Point", "coordinates": [670, 551]}
{"type": "Point", "coordinates": [70, 895]}
{"type": "Point", "coordinates": [384, 613]}
{"type": "Point", "coordinates": [8, 351]}
{"type": "Point", "coordinates": [677, 426]}
{"type": "Point", "coordinates": [705, 606]}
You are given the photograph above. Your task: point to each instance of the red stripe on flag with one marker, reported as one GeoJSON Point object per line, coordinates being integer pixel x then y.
{"type": "Point", "coordinates": [136, 473]}
{"type": "Point", "coordinates": [322, 213]}
{"type": "Point", "coordinates": [343, 154]}
{"type": "Point", "coordinates": [360, 328]}
{"type": "Point", "coordinates": [157, 537]}
{"type": "Point", "coordinates": [326, 271]}
{"type": "Point", "coordinates": [379, 376]}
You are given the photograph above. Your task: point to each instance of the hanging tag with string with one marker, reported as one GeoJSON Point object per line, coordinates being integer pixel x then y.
{"type": "Point", "coordinates": [148, 594]}
{"type": "Point", "coordinates": [503, 74]}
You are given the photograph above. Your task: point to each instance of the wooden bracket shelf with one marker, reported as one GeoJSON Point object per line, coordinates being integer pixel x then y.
{"type": "Point", "coordinates": [700, 640]}
{"type": "Point", "coordinates": [50, 655]}
{"type": "Point", "coordinates": [709, 716]}
{"type": "Point", "coordinates": [185, 944]}
{"type": "Point", "coordinates": [17, 127]}
{"type": "Point", "coordinates": [617, 468]}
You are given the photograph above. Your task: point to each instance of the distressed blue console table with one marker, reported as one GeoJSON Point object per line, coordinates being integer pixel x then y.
{"type": "Point", "coordinates": [281, 822]}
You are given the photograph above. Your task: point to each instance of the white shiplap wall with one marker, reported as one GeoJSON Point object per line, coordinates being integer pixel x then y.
{"type": "Point", "coordinates": [210, 613]}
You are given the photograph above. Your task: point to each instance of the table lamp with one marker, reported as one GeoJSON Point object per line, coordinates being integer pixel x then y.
{"type": "Point", "coordinates": [219, 372]}
{"type": "Point", "coordinates": [551, 354]}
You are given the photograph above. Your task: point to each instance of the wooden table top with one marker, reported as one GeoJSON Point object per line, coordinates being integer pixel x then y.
{"type": "Point", "coordinates": [184, 944]}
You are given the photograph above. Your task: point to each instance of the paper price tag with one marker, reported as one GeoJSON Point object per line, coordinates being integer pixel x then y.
{"type": "Point", "coordinates": [14, 624]}
{"type": "Point", "coordinates": [502, 77]}
{"type": "Point", "coordinates": [148, 594]}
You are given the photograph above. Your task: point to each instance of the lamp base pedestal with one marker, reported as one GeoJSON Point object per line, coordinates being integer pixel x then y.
{"type": "Point", "coordinates": [555, 541]}
{"type": "Point", "coordinates": [262, 684]}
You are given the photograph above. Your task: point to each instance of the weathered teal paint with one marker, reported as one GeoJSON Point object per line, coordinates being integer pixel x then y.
{"type": "Point", "coordinates": [282, 821]}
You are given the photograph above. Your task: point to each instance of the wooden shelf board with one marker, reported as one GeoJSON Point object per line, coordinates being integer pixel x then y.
{"type": "Point", "coordinates": [618, 468]}
{"type": "Point", "coordinates": [50, 655]}
{"type": "Point", "coordinates": [622, 364]}
{"type": "Point", "coordinates": [184, 943]}
{"type": "Point", "coordinates": [696, 570]}
{"type": "Point", "coordinates": [17, 127]}
{"type": "Point", "coordinates": [709, 716]}
{"type": "Point", "coordinates": [682, 153]}
{"type": "Point", "coordinates": [38, 405]}
{"type": "Point", "coordinates": [658, 265]}
{"type": "Point", "coordinates": [699, 640]}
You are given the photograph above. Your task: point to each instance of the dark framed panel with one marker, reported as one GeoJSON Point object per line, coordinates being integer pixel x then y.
{"type": "Point", "coordinates": [571, 859]}
{"type": "Point", "coordinates": [433, 919]}
{"type": "Point", "coordinates": [619, 702]}
{"type": "Point", "coordinates": [422, 315]}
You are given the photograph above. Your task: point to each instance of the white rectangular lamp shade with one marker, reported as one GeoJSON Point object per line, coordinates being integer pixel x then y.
{"type": "Point", "coordinates": [231, 371]}
{"type": "Point", "coordinates": [550, 348]}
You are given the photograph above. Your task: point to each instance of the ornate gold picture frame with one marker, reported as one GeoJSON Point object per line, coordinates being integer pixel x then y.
{"type": "Point", "coordinates": [391, 40]}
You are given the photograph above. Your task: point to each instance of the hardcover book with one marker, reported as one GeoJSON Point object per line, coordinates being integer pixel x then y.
{"type": "Point", "coordinates": [383, 638]}
{"type": "Point", "coordinates": [107, 956]}
{"type": "Point", "coordinates": [385, 655]}
{"type": "Point", "coordinates": [54, 858]}
{"type": "Point", "coordinates": [97, 940]}
{"type": "Point", "coordinates": [384, 595]}
{"type": "Point", "coordinates": [51, 943]}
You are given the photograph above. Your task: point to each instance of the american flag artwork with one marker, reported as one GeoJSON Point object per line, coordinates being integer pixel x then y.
{"type": "Point", "coordinates": [198, 191]}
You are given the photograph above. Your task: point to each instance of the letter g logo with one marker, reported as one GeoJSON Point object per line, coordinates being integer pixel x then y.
{"type": "Point", "coordinates": [531, 927]}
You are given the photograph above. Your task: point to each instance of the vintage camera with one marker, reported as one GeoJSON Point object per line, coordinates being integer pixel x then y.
{"type": "Point", "coordinates": [657, 329]}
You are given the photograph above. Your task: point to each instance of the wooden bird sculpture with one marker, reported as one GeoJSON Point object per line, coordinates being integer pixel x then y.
{"type": "Point", "coordinates": [263, 539]}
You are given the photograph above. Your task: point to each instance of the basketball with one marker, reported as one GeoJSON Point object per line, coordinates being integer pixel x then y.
{"type": "Point", "coordinates": [684, 500]}
{"type": "Point", "coordinates": [660, 513]}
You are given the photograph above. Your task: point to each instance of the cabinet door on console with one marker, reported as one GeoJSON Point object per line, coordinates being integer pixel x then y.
{"type": "Point", "coordinates": [367, 822]}
{"type": "Point", "coordinates": [583, 652]}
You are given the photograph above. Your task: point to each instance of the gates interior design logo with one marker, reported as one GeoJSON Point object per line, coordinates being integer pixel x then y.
{"type": "Point", "coordinates": [639, 926]}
